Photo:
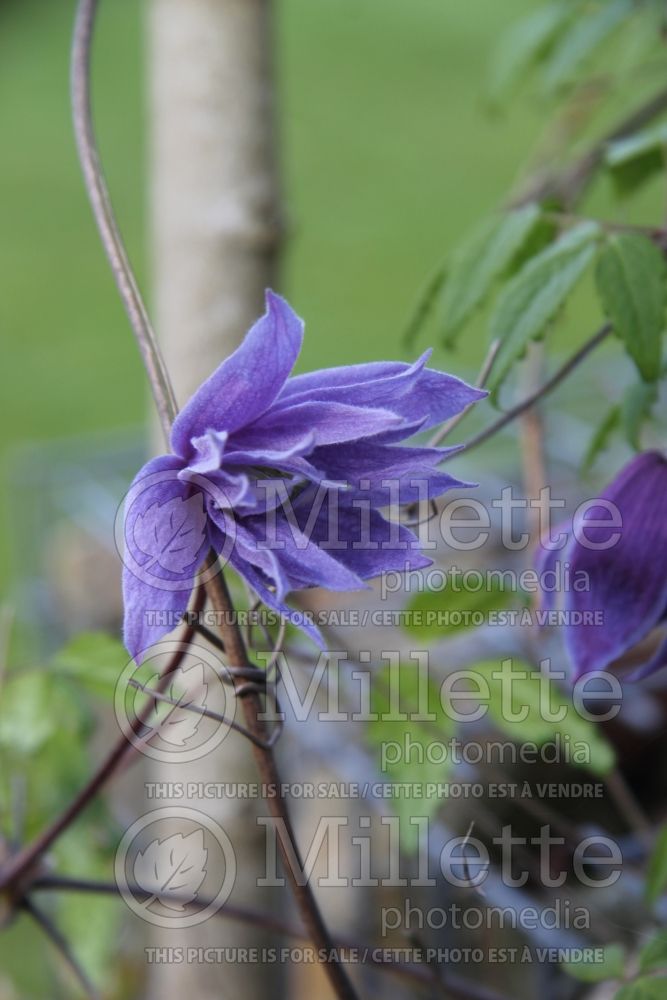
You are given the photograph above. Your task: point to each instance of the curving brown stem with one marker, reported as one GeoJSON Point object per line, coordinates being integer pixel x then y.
{"type": "Point", "coordinates": [98, 193]}
{"type": "Point", "coordinates": [237, 656]}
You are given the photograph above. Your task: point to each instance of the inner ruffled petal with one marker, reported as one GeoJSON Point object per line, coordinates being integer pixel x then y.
{"type": "Point", "coordinates": [329, 422]}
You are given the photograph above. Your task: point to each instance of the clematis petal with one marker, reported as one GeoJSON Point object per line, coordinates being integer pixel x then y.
{"type": "Point", "coordinates": [288, 558]}
{"type": "Point", "coordinates": [269, 490]}
{"type": "Point", "coordinates": [656, 662]}
{"type": "Point", "coordinates": [164, 524]}
{"type": "Point", "coordinates": [209, 449]}
{"type": "Point", "coordinates": [412, 391]}
{"type": "Point", "coordinates": [357, 535]}
{"type": "Point", "coordinates": [627, 580]}
{"type": "Point", "coordinates": [271, 600]}
{"type": "Point", "coordinates": [389, 474]}
{"type": "Point", "coordinates": [309, 384]}
{"type": "Point", "coordinates": [328, 422]}
{"type": "Point", "coordinates": [360, 458]}
{"type": "Point", "coordinates": [244, 481]}
{"type": "Point", "coordinates": [246, 384]}
{"type": "Point", "coordinates": [547, 559]}
{"type": "Point", "coordinates": [150, 613]}
{"type": "Point", "coordinates": [289, 459]}
{"type": "Point", "coordinates": [164, 542]}
{"type": "Point", "coordinates": [225, 489]}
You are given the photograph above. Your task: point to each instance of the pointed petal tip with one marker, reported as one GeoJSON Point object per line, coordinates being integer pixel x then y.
{"type": "Point", "coordinates": [476, 393]}
{"type": "Point", "coordinates": [272, 299]}
{"type": "Point", "coordinates": [278, 305]}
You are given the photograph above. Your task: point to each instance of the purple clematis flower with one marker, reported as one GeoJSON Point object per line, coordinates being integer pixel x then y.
{"type": "Point", "coordinates": [283, 477]}
{"type": "Point", "coordinates": [623, 558]}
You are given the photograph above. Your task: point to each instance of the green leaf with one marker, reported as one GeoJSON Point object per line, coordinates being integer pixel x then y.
{"type": "Point", "coordinates": [95, 660]}
{"type": "Point", "coordinates": [524, 697]}
{"type": "Point", "coordinates": [656, 875]}
{"type": "Point", "coordinates": [542, 235]}
{"type": "Point", "coordinates": [634, 146]}
{"type": "Point", "coordinates": [405, 690]}
{"type": "Point", "coordinates": [437, 613]}
{"type": "Point", "coordinates": [630, 278]}
{"type": "Point", "coordinates": [580, 42]}
{"type": "Point", "coordinates": [92, 922]}
{"type": "Point", "coordinates": [644, 989]}
{"type": "Point", "coordinates": [44, 726]}
{"type": "Point", "coordinates": [534, 296]}
{"type": "Point", "coordinates": [653, 955]}
{"type": "Point", "coordinates": [424, 306]}
{"type": "Point", "coordinates": [638, 402]}
{"type": "Point", "coordinates": [600, 439]}
{"type": "Point", "coordinates": [627, 178]}
{"type": "Point", "coordinates": [26, 717]}
{"type": "Point", "coordinates": [521, 46]}
{"type": "Point", "coordinates": [483, 258]}
{"type": "Point", "coordinates": [611, 966]}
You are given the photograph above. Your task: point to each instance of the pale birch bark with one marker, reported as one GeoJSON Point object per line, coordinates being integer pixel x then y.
{"type": "Point", "coordinates": [215, 240]}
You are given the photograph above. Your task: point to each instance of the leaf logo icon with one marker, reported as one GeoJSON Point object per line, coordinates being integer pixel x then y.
{"type": "Point", "coordinates": [173, 723]}
{"type": "Point", "coordinates": [171, 533]}
{"type": "Point", "coordinates": [172, 870]}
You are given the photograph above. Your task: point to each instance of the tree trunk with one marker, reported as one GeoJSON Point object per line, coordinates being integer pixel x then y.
{"type": "Point", "coordinates": [215, 224]}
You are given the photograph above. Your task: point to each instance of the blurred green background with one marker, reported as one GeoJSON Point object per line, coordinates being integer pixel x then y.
{"type": "Point", "coordinates": [388, 158]}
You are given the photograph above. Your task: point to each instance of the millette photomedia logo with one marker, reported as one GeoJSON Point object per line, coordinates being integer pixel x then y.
{"type": "Point", "coordinates": [175, 867]}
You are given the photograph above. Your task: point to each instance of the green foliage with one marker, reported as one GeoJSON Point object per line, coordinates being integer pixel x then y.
{"type": "Point", "coordinates": [630, 277]}
{"type": "Point", "coordinates": [656, 876]}
{"type": "Point", "coordinates": [601, 437]}
{"type": "Point", "coordinates": [45, 727]}
{"type": "Point", "coordinates": [653, 956]}
{"type": "Point", "coordinates": [483, 257]}
{"type": "Point", "coordinates": [596, 972]}
{"type": "Point", "coordinates": [564, 41]}
{"type": "Point", "coordinates": [426, 609]}
{"type": "Point", "coordinates": [94, 660]}
{"type": "Point", "coordinates": [534, 296]}
{"type": "Point", "coordinates": [529, 696]}
{"type": "Point", "coordinates": [637, 157]}
{"type": "Point", "coordinates": [583, 38]}
{"type": "Point", "coordinates": [638, 402]}
{"type": "Point", "coordinates": [92, 926]}
{"type": "Point", "coordinates": [424, 306]}
{"type": "Point", "coordinates": [636, 145]}
{"type": "Point", "coordinates": [644, 989]}
{"type": "Point", "coordinates": [26, 719]}
{"type": "Point", "coordinates": [401, 691]}
{"type": "Point", "coordinates": [629, 416]}
{"type": "Point", "coordinates": [523, 45]}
